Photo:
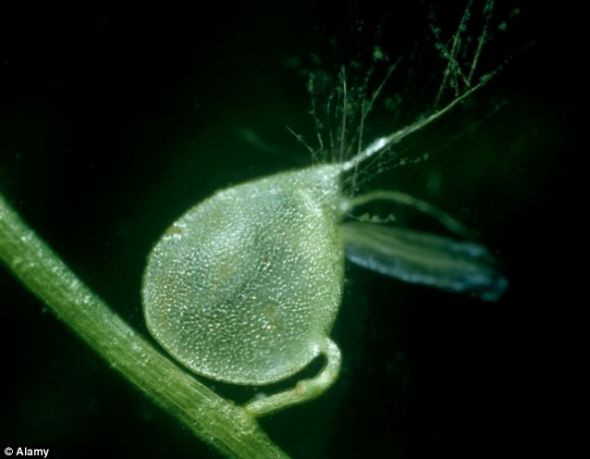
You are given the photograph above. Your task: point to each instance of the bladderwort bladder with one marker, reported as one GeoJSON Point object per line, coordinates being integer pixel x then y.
{"type": "Point", "coordinates": [245, 286]}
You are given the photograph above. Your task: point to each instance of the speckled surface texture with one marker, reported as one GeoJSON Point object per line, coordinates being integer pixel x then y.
{"type": "Point", "coordinates": [245, 285]}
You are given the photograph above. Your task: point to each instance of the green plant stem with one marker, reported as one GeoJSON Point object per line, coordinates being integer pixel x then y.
{"type": "Point", "coordinates": [213, 419]}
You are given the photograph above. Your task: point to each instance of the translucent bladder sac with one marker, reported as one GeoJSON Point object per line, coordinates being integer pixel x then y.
{"type": "Point", "coordinates": [245, 286]}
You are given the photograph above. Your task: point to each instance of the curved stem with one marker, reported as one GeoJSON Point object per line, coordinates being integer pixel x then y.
{"type": "Point", "coordinates": [306, 389]}
{"type": "Point", "coordinates": [227, 427]}
{"type": "Point", "coordinates": [451, 223]}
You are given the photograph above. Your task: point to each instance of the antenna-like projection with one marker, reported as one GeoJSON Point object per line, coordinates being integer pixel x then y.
{"type": "Point", "coordinates": [382, 143]}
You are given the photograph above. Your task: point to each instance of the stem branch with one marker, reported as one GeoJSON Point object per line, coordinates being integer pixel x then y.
{"type": "Point", "coordinates": [229, 428]}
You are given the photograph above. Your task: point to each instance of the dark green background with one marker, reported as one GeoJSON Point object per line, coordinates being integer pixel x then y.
{"type": "Point", "coordinates": [112, 123]}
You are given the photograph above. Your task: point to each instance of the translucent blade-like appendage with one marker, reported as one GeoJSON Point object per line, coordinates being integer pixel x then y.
{"type": "Point", "coordinates": [424, 258]}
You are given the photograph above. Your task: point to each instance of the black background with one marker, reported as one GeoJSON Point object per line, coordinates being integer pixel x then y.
{"type": "Point", "coordinates": [113, 123]}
